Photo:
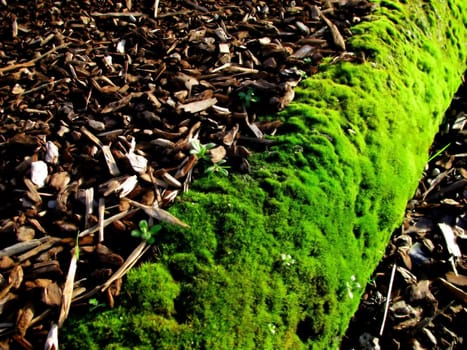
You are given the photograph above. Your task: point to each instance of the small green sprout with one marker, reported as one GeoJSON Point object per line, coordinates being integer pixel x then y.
{"type": "Point", "coordinates": [94, 304]}
{"type": "Point", "coordinates": [248, 97]}
{"type": "Point", "coordinates": [371, 282]}
{"type": "Point", "coordinates": [145, 232]}
{"type": "Point", "coordinates": [439, 152]}
{"type": "Point", "coordinates": [352, 286]}
{"type": "Point", "coordinates": [272, 328]}
{"type": "Point", "coordinates": [218, 168]}
{"type": "Point", "coordinates": [200, 150]}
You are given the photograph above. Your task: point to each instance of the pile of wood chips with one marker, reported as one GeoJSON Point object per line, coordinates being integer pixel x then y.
{"type": "Point", "coordinates": [101, 106]}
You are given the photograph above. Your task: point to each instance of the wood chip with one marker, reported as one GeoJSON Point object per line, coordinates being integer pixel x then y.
{"type": "Point", "coordinates": [198, 106]}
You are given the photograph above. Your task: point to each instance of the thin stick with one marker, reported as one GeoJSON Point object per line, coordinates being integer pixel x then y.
{"type": "Point", "coordinates": [117, 14]}
{"type": "Point", "coordinates": [45, 85]}
{"type": "Point", "coordinates": [388, 297]}
{"type": "Point", "coordinates": [109, 159]}
{"type": "Point", "coordinates": [33, 61]}
{"type": "Point", "coordinates": [128, 264]}
{"type": "Point", "coordinates": [108, 221]}
{"type": "Point", "coordinates": [68, 288]}
{"type": "Point", "coordinates": [101, 211]}
{"type": "Point", "coordinates": [156, 8]}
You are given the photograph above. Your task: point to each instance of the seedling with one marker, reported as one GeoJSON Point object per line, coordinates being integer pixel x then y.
{"type": "Point", "coordinates": [200, 150]}
{"type": "Point", "coordinates": [352, 286]}
{"type": "Point", "coordinates": [248, 97]}
{"type": "Point", "coordinates": [272, 328]}
{"type": "Point", "coordinates": [218, 168]}
{"type": "Point", "coordinates": [94, 304]}
{"type": "Point", "coordinates": [145, 232]}
{"type": "Point", "coordinates": [439, 152]}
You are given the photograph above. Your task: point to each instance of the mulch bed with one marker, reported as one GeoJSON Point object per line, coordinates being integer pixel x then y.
{"type": "Point", "coordinates": [422, 280]}
{"type": "Point", "coordinates": [106, 108]}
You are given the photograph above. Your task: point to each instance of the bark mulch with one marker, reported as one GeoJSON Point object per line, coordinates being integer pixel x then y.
{"type": "Point", "coordinates": [417, 298]}
{"type": "Point", "coordinates": [107, 107]}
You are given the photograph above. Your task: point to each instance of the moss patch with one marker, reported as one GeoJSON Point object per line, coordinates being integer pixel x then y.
{"type": "Point", "coordinates": [273, 259]}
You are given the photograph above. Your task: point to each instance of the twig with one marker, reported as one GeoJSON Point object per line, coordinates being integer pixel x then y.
{"type": "Point", "coordinates": [101, 211]}
{"type": "Point", "coordinates": [21, 247]}
{"type": "Point", "coordinates": [388, 297]}
{"type": "Point", "coordinates": [52, 338]}
{"type": "Point", "coordinates": [158, 213]}
{"type": "Point", "coordinates": [45, 85]}
{"type": "Point", "coordinates": [196, 6]}
{"type": "Point", "coordinates": [127, 265]}
{"type": "Point", "coordinates": [156, 8]}
{"type": "Point", "coordinates": [108, 221]}
{"type": "Point", "coordinates": [109, 159]}
{"type": "Point", "coordinates": [33, 61]}
{"type": "Point", "coordinates": [436, 182]}
{"type": "Point", "coordinates": [67, 294]}
{"type": "Point", "coordinates": [117, 14]}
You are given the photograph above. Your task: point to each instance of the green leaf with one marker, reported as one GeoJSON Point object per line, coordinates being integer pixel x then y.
{"type": "Point", "coordinates": [154, 229]}
{"type": "Point", "coordinates": [195, 147]}
{"type": "Point", "coordinates": [143, 225]}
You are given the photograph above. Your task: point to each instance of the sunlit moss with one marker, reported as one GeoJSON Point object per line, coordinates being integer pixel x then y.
{"type": "Point", "coordinates": [326, 198]}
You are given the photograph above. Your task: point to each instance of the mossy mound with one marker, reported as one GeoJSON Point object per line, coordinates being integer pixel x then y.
{"type": "Point", "coordinates": [275, 259]}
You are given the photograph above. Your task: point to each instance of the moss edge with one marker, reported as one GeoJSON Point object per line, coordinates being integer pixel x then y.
{"type": "Point", "coordinates": [272, 259]}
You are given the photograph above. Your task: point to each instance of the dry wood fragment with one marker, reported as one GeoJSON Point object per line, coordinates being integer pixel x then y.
{"type": "Point", "coordinates": [452, 246]}
{"type": "Point", "coordinates": [456, 292]}
{"type": "Point", "coordinates": [68, 287]}
{"type": "Point", "coordinates": [159, 214]}
{"type": "Point", "coordinates": [33, 61]}
{"type": "Point", "coordinates": [49, 243]}
{"type": "Point", "coordinates": [198, 106]}
{"type": "Point", "coordinates": [127, 265]}
{"type": "Point", "coordinates": [336, 35]}
{"type": "Point", "coordinates": [24, 319]}
{"type": "Point", "coordinates": [388, 298]}
{"type": "Point", "coordinates": [101, 212]}
{"type": "Point", "coordinates": [19, 248]}
{"type": "Point", "coordinates": [51, 342]}
{"type": "Point", "coordinates": [109, 159]}
{"type": "Point", "coordinates": [107, 222]}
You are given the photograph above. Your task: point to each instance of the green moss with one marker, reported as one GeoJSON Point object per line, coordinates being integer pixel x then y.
{"type": "Point", "coordinates": [269, 260]}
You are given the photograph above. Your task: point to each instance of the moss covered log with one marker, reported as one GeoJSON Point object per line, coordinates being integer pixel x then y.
{"type": "Point", "coordinates": [276, 259]}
